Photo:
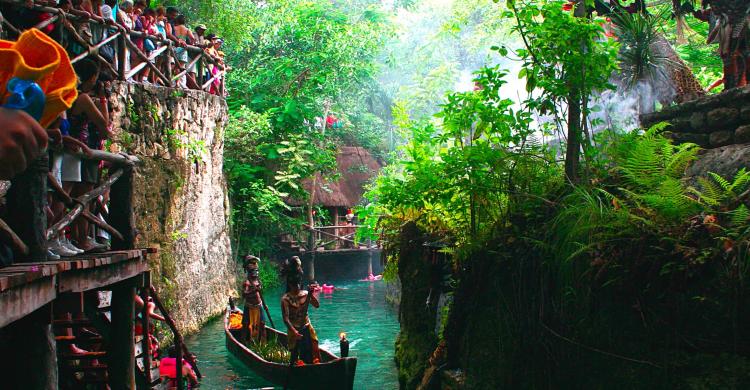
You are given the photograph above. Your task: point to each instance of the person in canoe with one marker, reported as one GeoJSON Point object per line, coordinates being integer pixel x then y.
{"type": "Point", "coordinates": [303, 342]}
{"type": "Point", "coordinates": [253, 321]}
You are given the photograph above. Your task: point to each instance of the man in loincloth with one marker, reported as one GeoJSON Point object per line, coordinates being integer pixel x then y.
{"type": "Point", "coordinates": [301, 337]}
{"type": "Point", "coordinates": [253, 320]}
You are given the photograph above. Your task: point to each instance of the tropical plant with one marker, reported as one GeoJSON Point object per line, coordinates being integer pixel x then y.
{"type": "Point", "coordinates": [638, 34]}
{"type": "Point", "coordinates": [566, 58]}
{"type": "Point", "coordinates": [717, 191]}
{"type": "Point", "coordinates": [463, 175]}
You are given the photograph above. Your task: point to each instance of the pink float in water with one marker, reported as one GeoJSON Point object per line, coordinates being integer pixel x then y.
{"type": "Point", "coordinates": [372, 278]}
{"type": "Point", "coordinates": [327, 289]}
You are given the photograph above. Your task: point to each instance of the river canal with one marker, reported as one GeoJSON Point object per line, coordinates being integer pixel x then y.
{"type": "Point", "coordinates": [359, 309]}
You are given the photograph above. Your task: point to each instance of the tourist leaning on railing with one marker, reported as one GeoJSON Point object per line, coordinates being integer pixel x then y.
{"type": "Point", "coordinates": [67, 146]}
{"type": "Point", "coordinates": [183, 33]}
{"type": "Point", "coordinates": [214, 69]}
{"type": "Point", "coordinates": [89, 122]}
{"type": "Point", "coordinates": [148, 20]}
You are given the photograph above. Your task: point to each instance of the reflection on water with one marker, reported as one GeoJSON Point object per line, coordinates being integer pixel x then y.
{"type": "Point", "coordinates": [359, 309]}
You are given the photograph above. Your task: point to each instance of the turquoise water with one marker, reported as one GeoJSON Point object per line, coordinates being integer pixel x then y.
{"type": "Point", "coordinates": [359, 309]}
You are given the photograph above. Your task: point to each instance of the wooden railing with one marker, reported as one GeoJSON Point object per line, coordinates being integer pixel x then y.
{"type": "Point", "coordinates": [123, 47]}
{"type": "Point", "coordinates": [336, 237]}
{"type": "Point", "coordinates": [121, 164]}
{"type": "Point", "coordinates": [179, 342]}
{"type": "Point", "coordinates": [26, 229]}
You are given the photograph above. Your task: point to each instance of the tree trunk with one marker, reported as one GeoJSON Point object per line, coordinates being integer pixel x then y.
{"type": "Point", "coordinates": [573, 149]}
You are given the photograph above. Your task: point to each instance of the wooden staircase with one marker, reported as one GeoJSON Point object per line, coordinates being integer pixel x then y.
{"type": "Point", "coordinates": [144, 380]}
{"type": "Point", "coordinates": [80, 371]}
{"type": "Point", "coordinates": [90, 332]}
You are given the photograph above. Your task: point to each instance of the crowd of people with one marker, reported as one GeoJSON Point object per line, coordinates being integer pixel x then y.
{"type": "Point", "coordinates": [149, 29]}
{"type": "Point", "coordinates": [85, 126]}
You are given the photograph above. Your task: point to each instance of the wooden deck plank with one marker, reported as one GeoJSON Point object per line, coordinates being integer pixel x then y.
{"type": "Point", "coordinates": [92, 278]}
{"type": "Point", "coordinates": [24, 299]}
{"type": "Point", "coordinates": [10, 280]}
{"type": "Point", "coordinates": [34, 268]}
{"type": "Point", "coordinates": [26, 287]}
{"type": "Point", "coordinates": [61, 265]}
{"type": "Point", "coordinates": [28, 275]}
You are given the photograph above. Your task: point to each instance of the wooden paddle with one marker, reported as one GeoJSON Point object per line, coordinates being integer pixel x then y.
{"type": "Point", "coordinates": [268, 313]}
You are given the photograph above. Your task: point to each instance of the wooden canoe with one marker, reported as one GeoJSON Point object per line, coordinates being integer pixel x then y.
{"type": "Point", "coordinates": [333, 373]}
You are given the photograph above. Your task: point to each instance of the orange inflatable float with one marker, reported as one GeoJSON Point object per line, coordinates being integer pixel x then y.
{"type": "Point", "coordinates": [38, 58]}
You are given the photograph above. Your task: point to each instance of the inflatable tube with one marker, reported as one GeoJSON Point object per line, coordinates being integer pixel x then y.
{"type": "Point", "coordinates": [372, 278]}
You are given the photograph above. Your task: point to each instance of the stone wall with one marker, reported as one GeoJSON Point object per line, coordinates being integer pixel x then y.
{"type": "Point", "coordinates": [180, 203]}
{"type": "Point", "coordinates": [710, 122]}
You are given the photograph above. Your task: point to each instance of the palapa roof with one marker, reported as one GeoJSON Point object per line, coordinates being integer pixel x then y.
{"type": "Point", "coordinates": [356, 167]}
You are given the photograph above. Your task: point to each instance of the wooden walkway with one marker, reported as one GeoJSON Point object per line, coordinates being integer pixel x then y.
{"type": "Point", "coordinates": [26, 287]}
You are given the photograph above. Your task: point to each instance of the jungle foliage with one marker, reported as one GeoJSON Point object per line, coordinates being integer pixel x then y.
{"type": "Point", "coordinates": [601, 260]}
{"type": "Point", "coordinates": [293, 62]}
{"type": "Point", "coordinates": [631, 271]}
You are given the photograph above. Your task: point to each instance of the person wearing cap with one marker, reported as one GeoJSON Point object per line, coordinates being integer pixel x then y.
{"type": "Point", "coordinates": [253, 321]}
{"type": "Point", "coordinates": [214, 69]}
{"type": "Point", "coordinates": [200, 37]}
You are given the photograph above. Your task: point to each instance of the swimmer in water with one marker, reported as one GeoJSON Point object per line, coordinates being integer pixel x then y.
{"type": "Point", "coordinates": [372, 278]}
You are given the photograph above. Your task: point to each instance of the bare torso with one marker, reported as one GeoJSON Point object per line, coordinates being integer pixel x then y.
{"type": "Point", "coordinates": [251, 292]}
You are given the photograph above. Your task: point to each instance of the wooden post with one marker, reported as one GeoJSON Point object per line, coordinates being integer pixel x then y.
{"type": "Point", "coordinates": [312, 266]}
{"type": "Point", "coordinates": [30, 355]}
{"type": "Point", "coordinates": [311, 201]}
{"type": "Point", "coordinates": [311, 219]}
{"type": "Point", "coordinates": [200, 70]}
{"type": "Point", "coordinates": [121, 55]}
{"type": "Point", "coordinates": [168, 67]}
{"type": "Point", "coordinates": [121, 353]}
{"type": "Point", "coordinates": [121, 211]}
{"type": "Point", "coordinates": [178, 363]}
{"type": "Point", "coordinates": [146, 326]}
{"type": "Point", "coordinates": [336, 229]}
{"type": "Point", "coordinates": [26, 201]}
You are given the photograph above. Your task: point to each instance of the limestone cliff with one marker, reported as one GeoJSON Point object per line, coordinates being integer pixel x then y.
{"type": "Point", "coordinates": [180, 203]}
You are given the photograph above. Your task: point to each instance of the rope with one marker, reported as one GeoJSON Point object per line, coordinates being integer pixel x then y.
{"type": "Point", "coordinates": [614, 355]}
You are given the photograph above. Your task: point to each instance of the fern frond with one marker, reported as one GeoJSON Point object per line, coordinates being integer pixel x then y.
{"type": "Point", "coordinates": [741, 181]}
{"type": "Point", "coordinates": [711, 193]}
{"type": "Point", "coordinates": [739, 216]}
{"type": "Point", "coordinates": [656, 129]}
{"type": "Point", "coordinates": [722, 182]}
{"type": "Point", "coordinates": [681, 156]}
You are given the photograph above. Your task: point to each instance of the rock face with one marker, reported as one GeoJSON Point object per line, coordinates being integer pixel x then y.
{"type": "Point", "coordinates": [417, 339]}
{"type": "Point", "coordinates": [724, 161]}
{"type": "Point", "coordinates": [180, 197]}
{"type": "Point", "coordinates": [710, 122]}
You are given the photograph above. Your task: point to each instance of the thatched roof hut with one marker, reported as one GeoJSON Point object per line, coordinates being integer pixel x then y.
{"type": "Point", "coordinates": [356, 167]}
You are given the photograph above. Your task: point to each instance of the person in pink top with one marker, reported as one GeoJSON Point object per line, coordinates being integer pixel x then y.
{"type": "Point", "coordinates": [168, 369]}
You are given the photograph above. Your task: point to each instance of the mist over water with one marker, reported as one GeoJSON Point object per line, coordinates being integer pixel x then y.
{"type": "Point", "coordinates": [438, 46]}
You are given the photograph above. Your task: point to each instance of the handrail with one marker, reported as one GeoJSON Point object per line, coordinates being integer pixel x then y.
{"type": "Point", "coordinates": [11, 236]}
{"type": "Point", "coordinates": [336, 226]}
{"type": "Point", "coordinates": [83, 202]}
{"type": "Point", "coordinates": [124, 161]}
{"type": "Point", "coordinates": [115, 32]}
{"type": "Point", "coordinates": [178, 340]}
